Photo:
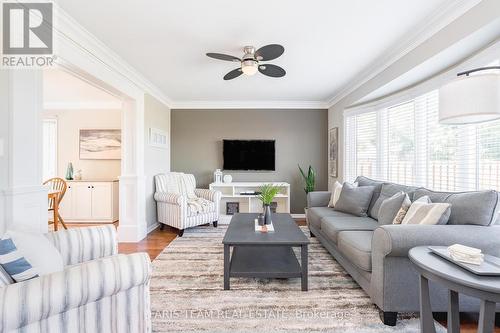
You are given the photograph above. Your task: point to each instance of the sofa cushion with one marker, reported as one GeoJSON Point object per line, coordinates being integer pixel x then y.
{"type": "Point", "coordinates": [332, 226]}
{"type": "Point", "coordinates": [354, 200]}
{"type": "Point", "coordinates": [315, 214]}
{"type": "Point", "coordinates": [478, 207]}
{"type": "Point", "coordinates": [357, 247]}
{"type": "Point", "coordinates": [365, 181]}
{"type": "Point", "coordinates": [387, 191]}
{"type": "Point", "coordinates": [337, 189]}
{"type": "Point", "coordinates": [423, 211]}
{"type": "Point", "coordinates": [390, 207]}
{"type": "Point", "coordinates": [168, 183]}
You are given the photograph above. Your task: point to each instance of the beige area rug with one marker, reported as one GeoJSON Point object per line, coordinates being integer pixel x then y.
{"type": "Point", "coordinates": [187, 294]}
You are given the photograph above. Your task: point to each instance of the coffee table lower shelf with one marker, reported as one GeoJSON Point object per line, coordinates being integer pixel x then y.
{"type": "Point", "coordinates": [265, 262]}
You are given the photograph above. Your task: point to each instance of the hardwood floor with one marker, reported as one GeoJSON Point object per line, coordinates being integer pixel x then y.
{"type": "Point", "coordinates": [153, 244]}
{"type": "Point", "coordinates": [158, 239]}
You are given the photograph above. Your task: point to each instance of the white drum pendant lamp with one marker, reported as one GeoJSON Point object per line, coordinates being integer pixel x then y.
{"type": "Point", "coordinates": [471, 98]}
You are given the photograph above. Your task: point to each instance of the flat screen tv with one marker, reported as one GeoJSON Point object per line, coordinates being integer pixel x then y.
{"type": "Point", "coordinates": [249, 155]}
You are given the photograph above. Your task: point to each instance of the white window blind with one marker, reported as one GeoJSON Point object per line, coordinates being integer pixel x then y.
{"type": "Point", "coordinates": [406, 144]}
{"type": "Point", "coordinates": [399, 146]}
{"type": "Point", "coordinates": [49, 134]}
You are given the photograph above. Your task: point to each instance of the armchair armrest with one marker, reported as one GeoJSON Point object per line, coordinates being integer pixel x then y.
{"type": "Point", "coordinates": [74, 287]}
{"type": "Point", "coordinates": [208, 194]}
{"type": "Point", "coordinates": [318, 198]}
{"type": "Point", "coordinates": [397, 240]}
{"type": "Point", "coordinates": [83, 244]}
{"type": "Point", "coordinates": [170, 198]}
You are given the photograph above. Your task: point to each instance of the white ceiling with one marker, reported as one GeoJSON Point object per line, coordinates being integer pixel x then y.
{"type": "Point", "coordinates": [327, 42]}
{"type": "Point", "coordinates": [62, 90]}
{"type": "Point", "coordinates": [440, 62]}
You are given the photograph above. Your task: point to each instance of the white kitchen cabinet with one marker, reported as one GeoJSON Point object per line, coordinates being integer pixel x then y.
{"type": "Point", "coordinates": [90, 201]}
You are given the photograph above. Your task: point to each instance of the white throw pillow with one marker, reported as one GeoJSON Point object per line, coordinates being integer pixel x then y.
{"type": "Point", "coordinates": [423, 211]}
{"type": "Point", "coordinates": [337, 189]}
{"type": "Point", "coordinates": [38, 251]}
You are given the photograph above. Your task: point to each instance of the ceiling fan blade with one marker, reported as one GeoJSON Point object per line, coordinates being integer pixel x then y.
{"type": "Point", "coordinates": [221, 56]}
{"type": "Point", "coordinates": [233, 74]}
{"type": "Point", "coordinates": [272, 70]}
{"type": "Point", "coordinates": [269, 52]}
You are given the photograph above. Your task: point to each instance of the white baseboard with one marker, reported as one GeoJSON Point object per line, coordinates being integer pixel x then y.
{"type": "Point", "coordinates": [153, 227]}
{"type": "Point", "coordinates": [299, 216]}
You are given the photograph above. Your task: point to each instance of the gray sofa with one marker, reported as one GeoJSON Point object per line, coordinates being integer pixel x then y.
{"type": "Point", "coordinates": [376, 256]}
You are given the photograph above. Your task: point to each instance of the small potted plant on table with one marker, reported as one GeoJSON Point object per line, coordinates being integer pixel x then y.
{"type": "Point", "coordinates": [267, 194]}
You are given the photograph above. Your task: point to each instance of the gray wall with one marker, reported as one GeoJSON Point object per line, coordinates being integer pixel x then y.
{"type": "Point", "coordinates": [301, 138]}
{"type": "Point", "coordinates": [156, 160]}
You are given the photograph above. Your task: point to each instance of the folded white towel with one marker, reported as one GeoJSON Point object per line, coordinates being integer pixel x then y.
{"type": "Point", "coordinates": [458, 248]}
{"type": "Point", "coordinates": [466, 254]}
{"type": "Point", "coordinates": [474, 260]}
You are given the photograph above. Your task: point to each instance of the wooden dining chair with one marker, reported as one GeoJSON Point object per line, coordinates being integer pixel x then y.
{"type": "Point", "coordinates": [59, 185]}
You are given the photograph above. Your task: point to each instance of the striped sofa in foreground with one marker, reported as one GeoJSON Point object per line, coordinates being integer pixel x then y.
{"type": "Point", "coordinates": [98, 291]}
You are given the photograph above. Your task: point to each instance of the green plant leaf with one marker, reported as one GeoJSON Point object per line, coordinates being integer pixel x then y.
{"type": "Point", "coordinates": [268, 192]}
{"type": "Point", "coordinates": [309, 179]}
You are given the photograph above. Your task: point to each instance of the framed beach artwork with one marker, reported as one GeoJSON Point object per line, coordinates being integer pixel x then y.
{"type": "Point", "coordinates": [100, 144]}
{"type": "Point", "coordinates": [333, 151]}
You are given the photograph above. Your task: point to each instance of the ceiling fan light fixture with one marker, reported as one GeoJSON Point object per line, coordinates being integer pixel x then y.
{"type": "Point", "coordinates": [249, 67]}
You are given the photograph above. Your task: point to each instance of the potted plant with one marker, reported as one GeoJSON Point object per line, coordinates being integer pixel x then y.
{"type": "Point", "coordinates": [267, 194]}
{"type": "Point", "coordinates": [309, 181]}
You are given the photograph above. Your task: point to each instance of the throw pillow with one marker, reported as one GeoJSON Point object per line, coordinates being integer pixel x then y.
{"type": "Point", "coordinates": [187, 187]}
{"type": "Point", "coordinates": [354, 200]}
{"type": "Point", "coordinates": [400, 215]}
{"type": "Point", "coordinates": [36, 255]}
{"type": "Point", "coordinates": [423, 211]}
{"type": "Point", "coordinates": [337, 189]}
{"type": "Point", "coordinates": [390, 207]}
{"type": "Point", "coordinates": [14, 263]}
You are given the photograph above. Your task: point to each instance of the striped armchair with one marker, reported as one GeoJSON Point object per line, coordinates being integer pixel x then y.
{"type": "Point", "coordinates": [181, 205]}
{"type": "Point", "coordinates": [98, 291]}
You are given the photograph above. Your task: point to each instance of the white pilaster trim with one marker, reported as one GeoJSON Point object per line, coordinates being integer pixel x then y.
{"type": "Point", "coordinates": [25, 208]}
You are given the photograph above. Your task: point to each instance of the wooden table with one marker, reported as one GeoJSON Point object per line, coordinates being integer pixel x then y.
{"type": "Point", "coordinates": [456, 280]}
{"type": "Point", "coordinates": [54, 195]}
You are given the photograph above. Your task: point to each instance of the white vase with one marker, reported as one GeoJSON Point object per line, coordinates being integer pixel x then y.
{"type": "Point", "coordinates": [228, 178]}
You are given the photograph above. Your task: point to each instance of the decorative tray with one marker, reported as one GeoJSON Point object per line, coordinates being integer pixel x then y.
{"type": "Point", "coordinates": [489, 267]}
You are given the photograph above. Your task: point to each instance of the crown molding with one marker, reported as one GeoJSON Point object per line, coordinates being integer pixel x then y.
{"type": "Point", "coordinates": [70, 30]}
{"type": "Point", "coordinates": [441, 18]}
{"type": "Point", "coordinates": [249, 105]}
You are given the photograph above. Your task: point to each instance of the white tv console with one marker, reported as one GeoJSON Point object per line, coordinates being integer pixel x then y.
{"type": "Point", "coordinates": [249, 203]}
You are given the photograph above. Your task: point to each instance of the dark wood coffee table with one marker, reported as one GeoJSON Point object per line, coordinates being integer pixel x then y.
{"type": "Point", "coordinates": [264, 255]}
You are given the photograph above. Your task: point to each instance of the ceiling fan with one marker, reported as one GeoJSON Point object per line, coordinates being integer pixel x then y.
{"type": "Point", "coordinates": [250, 62]}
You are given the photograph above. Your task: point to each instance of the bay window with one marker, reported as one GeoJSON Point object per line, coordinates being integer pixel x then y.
{"type": "Point", "coordinates": [406, 144]}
